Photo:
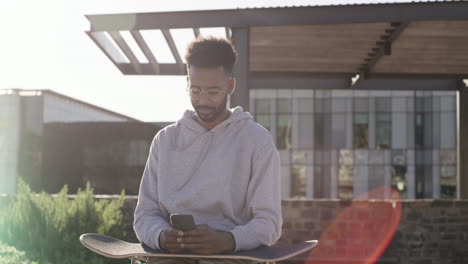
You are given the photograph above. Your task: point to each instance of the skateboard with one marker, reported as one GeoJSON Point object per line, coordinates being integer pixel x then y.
{"type": "Point", "coordinates": [115, 248]}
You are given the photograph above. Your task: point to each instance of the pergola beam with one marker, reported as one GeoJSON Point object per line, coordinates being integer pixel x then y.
{"type": "Point", "coordinates": [173, 48]}
{"type": "Point", "coordinates": [146, 50]}
{"type": "Point", "coordinates": [383, 48]}
{"type": "Point", "coordinates": [117, 37]}
{"type": "Point", "coordinates": [147, 69]}
{"type": "Point", "coordinates": [107, 48]}
{"type": "Point", "coordinates": [369, 13]}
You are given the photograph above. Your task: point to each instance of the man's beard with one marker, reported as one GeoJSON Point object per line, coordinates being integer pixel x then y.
{"type": "Point", "coordinates": [215, 111]}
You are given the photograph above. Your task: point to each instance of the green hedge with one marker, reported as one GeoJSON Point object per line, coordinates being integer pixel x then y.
{"type": "Point", "coordinates": [47, 228]}
{"type": "Point", "coordinates": [10, 255]}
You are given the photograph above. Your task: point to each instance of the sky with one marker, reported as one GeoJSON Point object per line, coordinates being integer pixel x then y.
{"type": "Point", "coordinates": [43, 46]}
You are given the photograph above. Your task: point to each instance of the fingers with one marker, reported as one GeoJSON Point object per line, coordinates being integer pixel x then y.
{"type": "Point", "coordinates": [200, 230]}
{"type": "Point", "coordinates": [169, 241]}
{"type": "Point", "coordinates": [193, 239]}
{"type": "Point", "coordinates": [202, 240]}
{"type": "Point", "coordinates": [199, 248]}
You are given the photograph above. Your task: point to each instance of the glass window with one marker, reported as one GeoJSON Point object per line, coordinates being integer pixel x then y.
{"type": "Point", "coordinates": [321, 182]}
{"type": "Point", "coordinates": [448, 103]}
{"type": "Point", "coordinates": [306, 126]}
{"type": "Point", "coordinates": [338, 131]}
{"type": "Point", "coordinates": [361, 105]}
{"type": "Point", "coordinates": [319, 129]}
{"type": "Point", "coordinates": [448, 182]}
{"type": "Point", "coordinates": [298, 181]}
{"type": "Point", "coordinates": [338, 105]}
{"type": "Point", "coordinates": [419, 102]}
{"type": "Point", "coordinates": [419, 131]}
{"type": "Point", "coordinates": [399, 104]}
{"type": "Point", "coordinates": [345, 182]}
{"type": "Point", "coordinates": [398, 181]}
{"type": "Point", "coordinates": [283, 131]}
{"type": "Point", "coordinates": [263, 120]}
{"type": "Point", "coordinates": [448, 130]}
{"type": "Point", "coordinates": [322, 105]}
{"type": "Point", "coordinates": [423, 181]}
{"type": "Point", "coordinates": [376, 177]}
{"type": "Point", "coordinates": [383, 130]}
{"type": "Point", "coordinates": [283, 105]}
{"type": "Point", "coordinates": [262, 106]}
{"type": "Point", "coordinates": [305, 105]}
{"type": "Point", "coordinates": [383, 104]}
{"type": "Point", "coordinates": [399, 130]}
{"type": "Point", "coordinates": [360, 130]}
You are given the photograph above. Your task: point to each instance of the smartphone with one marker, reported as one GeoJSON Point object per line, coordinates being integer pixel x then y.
{"type": "Point", "coordinates": [182, 222]}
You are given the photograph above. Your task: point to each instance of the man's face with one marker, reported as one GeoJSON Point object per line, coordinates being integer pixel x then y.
{"type": "Point", "coordinates": [209, 88]}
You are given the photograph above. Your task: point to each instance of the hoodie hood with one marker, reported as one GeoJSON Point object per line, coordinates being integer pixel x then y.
{"type": "Point", "coordinates": [189, 120]}
{"type": "Point", "coordinates": [190, 142]}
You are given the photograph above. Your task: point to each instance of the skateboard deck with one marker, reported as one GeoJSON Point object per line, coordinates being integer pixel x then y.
{"type": "Point", "coordinates": [116, 248]}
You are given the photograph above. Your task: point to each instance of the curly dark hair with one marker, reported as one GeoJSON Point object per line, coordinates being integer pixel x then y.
{"type": "Point", "coordinates": [211, 52]}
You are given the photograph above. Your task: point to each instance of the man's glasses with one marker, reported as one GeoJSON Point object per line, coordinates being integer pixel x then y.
{"type": "Point", "coordinates": [211, 94]}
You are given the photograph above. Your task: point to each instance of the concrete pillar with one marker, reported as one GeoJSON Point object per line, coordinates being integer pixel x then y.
{"type": "Point", "coordinates": [463, 142]}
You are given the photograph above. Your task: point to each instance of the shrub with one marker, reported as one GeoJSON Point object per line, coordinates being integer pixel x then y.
{"type": "Point", "coordinates": [10, 255]}
{"type": "Point", "coordinates": [47, 228]}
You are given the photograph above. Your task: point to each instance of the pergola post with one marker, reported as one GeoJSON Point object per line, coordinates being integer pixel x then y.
{"type": "Point", "coordinates": [240, 38]}
{"type": "Point", "coordinates": [463, 142]}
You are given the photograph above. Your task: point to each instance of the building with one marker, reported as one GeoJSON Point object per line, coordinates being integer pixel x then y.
{"type": "Point", "coordinates": [28, 119]}
{"type": "Point", "coordinates": [342, 143]}
{"type": "Point", "coordinates": [356, 96]}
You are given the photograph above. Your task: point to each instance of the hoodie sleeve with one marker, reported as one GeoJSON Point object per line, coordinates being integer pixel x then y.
{"type": "Point", "coordinates": [263, 202]}
{"type": "Point", "coordinates": [149, 220]}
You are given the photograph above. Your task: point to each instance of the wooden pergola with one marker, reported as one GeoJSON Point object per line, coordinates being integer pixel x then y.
{"type": "Point", "coordinates": [416, 46]}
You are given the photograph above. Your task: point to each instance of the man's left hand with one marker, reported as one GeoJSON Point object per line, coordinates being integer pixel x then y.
{"type": "Point", "coordinates": [205, 240]}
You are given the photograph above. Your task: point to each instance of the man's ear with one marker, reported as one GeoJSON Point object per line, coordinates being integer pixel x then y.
{"type": "Point", "coordinates": [232, 86]}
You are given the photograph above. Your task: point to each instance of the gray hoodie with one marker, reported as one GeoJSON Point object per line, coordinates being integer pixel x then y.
{"type": "Point", "coordinates": [227, 177]}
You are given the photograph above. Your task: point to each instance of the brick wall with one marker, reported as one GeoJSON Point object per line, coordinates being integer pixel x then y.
{"type": "Point", "coordinates": [429, 232]}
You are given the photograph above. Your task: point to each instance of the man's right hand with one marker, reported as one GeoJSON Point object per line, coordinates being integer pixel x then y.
{"type": "Point", "coordinates": [168, 240]}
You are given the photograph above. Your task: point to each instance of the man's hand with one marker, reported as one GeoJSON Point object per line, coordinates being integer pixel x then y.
{"type": "Point", "coordinates": [168, 241]}
{"type": "Point", "coordinates": [205, 240]}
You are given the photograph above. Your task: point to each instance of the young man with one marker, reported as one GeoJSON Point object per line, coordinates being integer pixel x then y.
{"type": "Point", "coordinates": [215, 164]}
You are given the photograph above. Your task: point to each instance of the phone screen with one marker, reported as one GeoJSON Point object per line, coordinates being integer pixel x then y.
{"type": "Point", "coordinates": [182, 222]}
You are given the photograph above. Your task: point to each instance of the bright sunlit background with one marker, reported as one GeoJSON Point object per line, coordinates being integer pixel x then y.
{"type": "Point", "coordinates": [43, 46]}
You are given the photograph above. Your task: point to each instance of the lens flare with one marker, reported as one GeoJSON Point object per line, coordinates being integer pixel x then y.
{"type": "Point", "coordinates": [362, 231]}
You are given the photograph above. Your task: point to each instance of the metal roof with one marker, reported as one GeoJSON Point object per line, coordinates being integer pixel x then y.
{"type": "Point", "coordinates": [42, 92]}
{"type": "Point", "coordinates": [390, 29]}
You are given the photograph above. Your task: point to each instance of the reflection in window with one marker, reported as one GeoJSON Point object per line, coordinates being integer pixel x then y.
{"type": "Point", "coordinates": [360, 130]}
{"type": "Point", "coordinates": [423, 181]}
{"type": "Point", "coordinates": [283, 131]}
{"type": "Point", "coordinates": [383, 130]}
{"type": "Point", "coordinates": [345, 182]}
{"type": "Point", "coordinates": [305, 133]}
{"type": "Point", "coordinates": [321, 182]}
{"type": "Point", "coordinates": [419, 182]}
{"type": "Point", "coordinates": [419, 131]}
{"type": "Point", "coordinates": [298, 181]}
{"type": "Point", "coordinates": [448, 182]}
{"type": "Point", "coordinates": [319, 131]}
{"type": "Point", "coordinates": [398, 181]}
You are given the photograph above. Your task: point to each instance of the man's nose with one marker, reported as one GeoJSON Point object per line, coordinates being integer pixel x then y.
{"type": "Point", "coordinates": [204, 98]}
